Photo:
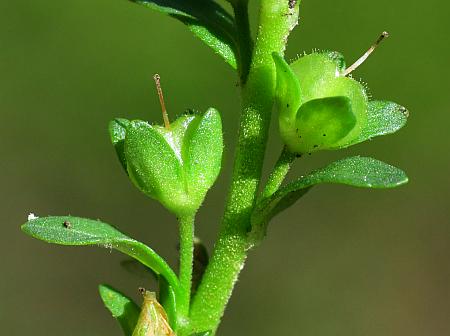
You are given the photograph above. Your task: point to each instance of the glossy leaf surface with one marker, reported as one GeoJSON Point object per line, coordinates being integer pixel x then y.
{"type": "Point", "coordinates": [206, 19]}
{"type": "Point", "coordinates": [154, 166]}
{"type": "Point", "coordinates": [176, 165]}
{"type": "Point", "coordinates": [383, 118]}
{"type": "Point", "coordinates": [121, 307]}
{"type": "Point", "coordinates": [355, 171]}
{"type": "Point", "coordinates": [76, 231]}
{"type": "Point", "coordinates": [202, 153]}
{"type": "Point", "coordinates": [288, 95]}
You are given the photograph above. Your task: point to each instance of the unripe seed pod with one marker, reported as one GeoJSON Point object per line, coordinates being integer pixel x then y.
{"type": "Point", "coordinates": [319, 106]}
{"type": "Point", "coordinates": [178, 165]}
{"type": "Point", "coordinates": [175, 164]}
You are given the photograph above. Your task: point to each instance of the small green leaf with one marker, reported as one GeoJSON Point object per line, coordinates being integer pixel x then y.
{"type": "Point", "coordinates": [121, 307]}
{"type": "Point", "coordinates": [383, 118]}
{"type": "Point", "coordinates": [206, 19]}
{"type": "Point", "coordinates": [355, 171]}
{"type": "Point", "coordinates": [154, 167]}
{"type": "Point", "coordinates": [202, 153]}
{"type": "Point", "coordinates": [75, 231]}
{"type": "Point", "coordinates": [288, 95]}
{"type": "Point", "coordinates": [117, 130]}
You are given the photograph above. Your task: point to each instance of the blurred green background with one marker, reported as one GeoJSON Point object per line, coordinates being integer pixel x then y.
{"type": "Point", "coordinates": [342, 262]}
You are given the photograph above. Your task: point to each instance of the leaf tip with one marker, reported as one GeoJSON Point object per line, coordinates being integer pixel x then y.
{"type": "Point", "coordinates": [26, 227]}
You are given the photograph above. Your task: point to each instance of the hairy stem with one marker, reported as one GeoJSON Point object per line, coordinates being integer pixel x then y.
{"type": "Point", "coordinates": [186, 262]}
{"type": "Point", "coordinates": [230, 251]}
{"type": "Point", "coordinates": [282, 167]}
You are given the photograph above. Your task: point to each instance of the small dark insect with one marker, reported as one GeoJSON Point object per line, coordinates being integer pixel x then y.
{"type": "Point", "coordinates": [67, 225]}
{"type": "Point", "coordinates": [292, 4]}
{"type": "Point", "coordinates": [141, 290]}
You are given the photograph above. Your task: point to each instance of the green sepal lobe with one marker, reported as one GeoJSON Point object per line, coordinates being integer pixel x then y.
{"type": "Point", "coordinates": [117, 130]}
{"type": "Point", "coordinates": [122, 308]}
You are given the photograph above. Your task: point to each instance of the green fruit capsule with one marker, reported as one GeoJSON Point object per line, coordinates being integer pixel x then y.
{"type": "Point", "coordinates": [320, 108]}
{"type": "Point", "coordinates": [175, 164]}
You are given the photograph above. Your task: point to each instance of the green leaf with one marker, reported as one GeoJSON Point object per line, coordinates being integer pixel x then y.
{"type": "Point", "coordinates": [383, 118]}
{"type": "Point", "coordinates": [203, 333]}
{"type": "Point", "coordinates": [117, 130]}
{"type": "Point", "coordinates": [355, 171]}
{"type": "Point", "coordinates": [206, 19]}
{"type": "Point", "coordinates": [288, 95]}
{"type": "Point", "coordinates": [154, 167]}
{"type": "Point", "coordinates": [121, 307]}
{"type": "Point", "coordinates": [202, 153]}
{"type": "Point", "coordinates": [75, 231]}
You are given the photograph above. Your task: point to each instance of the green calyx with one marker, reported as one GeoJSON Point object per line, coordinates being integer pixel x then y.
{"type": "Point", "coordinates": [320, 108]}
{"type": "Point", "coordinates": [175, 165]}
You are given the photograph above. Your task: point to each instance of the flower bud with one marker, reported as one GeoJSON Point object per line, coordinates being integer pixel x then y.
{"type": "Point", "coordinates": [178, 164]}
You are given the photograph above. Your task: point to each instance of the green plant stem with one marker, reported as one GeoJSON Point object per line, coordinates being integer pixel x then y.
{"type": "Point", "coordinates": [186, 225]}
{"type": "Point", "coordinates": [231, 248]}
{"type": "Point", "coordinates": [276, 178]}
